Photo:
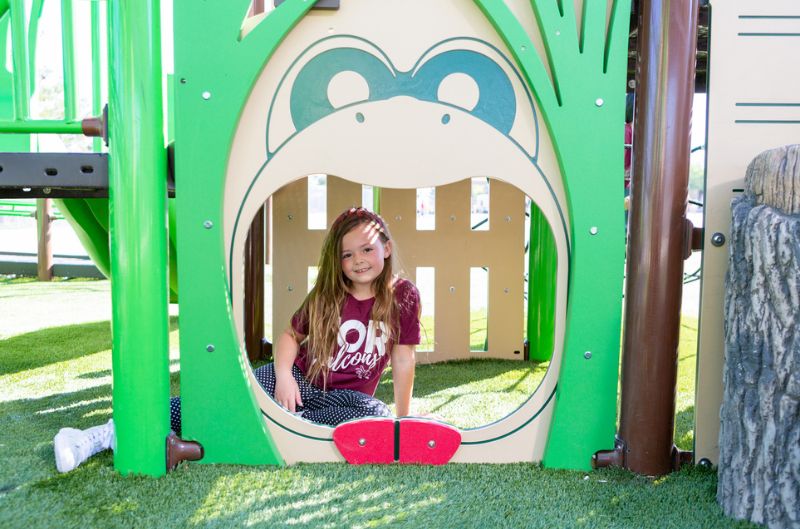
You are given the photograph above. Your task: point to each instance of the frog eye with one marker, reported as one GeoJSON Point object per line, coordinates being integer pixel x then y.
{"type": "Point", "coordinates": [329, 75]}
{"type": "Point", "coordinates": [336, 78]}
{"type": "Point", "coordinates": [478, 77]}
{"type": "Point", "coordinates": [472, 81]}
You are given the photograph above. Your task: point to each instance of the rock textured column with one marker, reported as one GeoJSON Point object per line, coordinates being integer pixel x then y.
{"type": "Point", "coordinates": [759, 463]}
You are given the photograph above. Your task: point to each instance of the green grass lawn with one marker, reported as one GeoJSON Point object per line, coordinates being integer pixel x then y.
{"type": "Point", "coordinates": [60, 376]}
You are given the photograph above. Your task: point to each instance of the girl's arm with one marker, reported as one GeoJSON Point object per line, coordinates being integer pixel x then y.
{"type": "Point", "coordinates": [403, 362]}
{"type": "Point", "coordinates": [287, 392]}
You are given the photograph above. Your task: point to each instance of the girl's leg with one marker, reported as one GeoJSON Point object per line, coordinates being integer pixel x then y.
{"type": "Point", "coordinates": [266, 377]}
{"type": "Point", "coordinates": [325, 407]}
{"type": "Point", "coordinates": [340, 405]}
{"type": "Point", "coordinates": [72, 446]}
{"type": "Point", "coordinates": [175, 415]}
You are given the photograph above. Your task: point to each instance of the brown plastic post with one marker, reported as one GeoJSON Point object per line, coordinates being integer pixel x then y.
{"type": "Point", "coordinates": [254, 287]}
{"type": "Point", "coordinates": [93, 127]}
{"type": "Point", "coordinates": [180, 450]}
{"type": "Point", "coordinates": [664, 92]}
{"type": "Point", "coordinates": [44, 211]}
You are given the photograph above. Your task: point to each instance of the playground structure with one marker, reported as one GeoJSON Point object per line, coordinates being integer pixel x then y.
{"type": "Point", "coordinates": [254, 112]}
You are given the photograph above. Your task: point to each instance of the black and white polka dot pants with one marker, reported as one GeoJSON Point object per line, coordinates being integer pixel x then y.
{"type": "Point", "coordinates": [325, 407]}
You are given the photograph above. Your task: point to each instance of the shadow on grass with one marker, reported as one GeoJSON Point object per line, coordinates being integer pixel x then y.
{"type": "Point", "coordinates": [28, 427]}
{"type": "Point", "coordinates": [684, 428]}
{"type": "Point", "coordinates": [57, 344]}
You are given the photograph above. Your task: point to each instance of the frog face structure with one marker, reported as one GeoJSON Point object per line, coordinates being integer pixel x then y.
{"type": "Point", "coordinates": [458, 109]}
{"type": "Point", "coordinates": [343, 108]}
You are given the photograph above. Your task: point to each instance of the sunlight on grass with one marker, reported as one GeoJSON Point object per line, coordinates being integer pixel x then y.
{"type": "Point", "coordinates": [469, 393]}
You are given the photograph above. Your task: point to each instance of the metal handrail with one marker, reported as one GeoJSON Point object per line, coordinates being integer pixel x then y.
{"type": "Point", "coordinates": [23, 44]}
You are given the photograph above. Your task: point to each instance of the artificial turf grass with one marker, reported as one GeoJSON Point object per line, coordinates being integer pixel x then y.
{"type": "Point", "coordinates": [469, 393]}
{"type": "Point", "coordinates": [76, 391]}
{"type": "Point", "coordinates": [338, 495]}
{"type": "Point", "coordinates": [684, 390]}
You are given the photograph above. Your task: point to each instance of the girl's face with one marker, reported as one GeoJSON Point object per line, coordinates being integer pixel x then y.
{"type": "Point", "coordinates": [363, 256]}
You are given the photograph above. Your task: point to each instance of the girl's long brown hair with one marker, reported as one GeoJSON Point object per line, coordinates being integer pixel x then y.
{"type": "Point", "coordinates": [321, 309]}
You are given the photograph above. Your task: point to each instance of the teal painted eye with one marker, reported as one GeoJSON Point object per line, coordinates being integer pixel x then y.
{"type": "Point", "coordinates": [310, 100]}
{"type": "Point", "coordinates": [496, 103]}
{"type": "Point", "coordinates": [465, 79]}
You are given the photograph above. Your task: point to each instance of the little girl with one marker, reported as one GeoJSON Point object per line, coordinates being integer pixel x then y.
{"type": "Point", "coordinates": [328, 362]}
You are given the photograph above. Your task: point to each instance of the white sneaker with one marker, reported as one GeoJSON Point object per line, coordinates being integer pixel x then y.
{"type": "Point", "coordinates": [72, 447]}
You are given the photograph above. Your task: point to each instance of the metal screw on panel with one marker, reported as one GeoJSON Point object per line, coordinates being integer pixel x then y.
{"type": "Point", "coordinates": [362, 442]}
{"type": "Point", "coordinates": [593, 230]}
{"type": "Point", "coordinates": [599, 102]}
{"type": "Point", "coordinates": [508, 218]}
{"type": "Point", "coordinates": [505, 290]}
{"type": "Point", "coordinates": [452, 217]}
{"type": "Point", "coordinates": [46, 190]}
{"type": "Point", "coordinates": [208, 224]}
{"type": "Point", "coordinates": [398, 217]}
{"type": "Point", "coordinates": [206, 95]}
{"type": "Point", "coordinates": [210, 348]}
{"type": "Point", "coordinates": [290, 216]}
{"type": "Point", "coordinates": [587, 355]}
{"type": "Point", "coordinates": [718, 239]}
{"type": "Point", "coordinates": [452, 289]}
{"type": "Point", "coordinates": [432, 444]}
{"type": "Point", "coordinates": [290, 288]}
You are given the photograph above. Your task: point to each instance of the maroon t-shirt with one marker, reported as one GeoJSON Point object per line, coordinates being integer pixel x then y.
{"type": "Point", "coordinates": [365, 347]}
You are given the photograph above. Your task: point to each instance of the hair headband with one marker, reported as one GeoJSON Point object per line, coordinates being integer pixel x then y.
{"type": "Point", "coordinates": [362, 212]}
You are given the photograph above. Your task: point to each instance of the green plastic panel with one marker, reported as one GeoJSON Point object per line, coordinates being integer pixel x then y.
{"type": "Point", "coordinates": [215, 71]}
{"type": "Point", "coordinates": [581, 95]}
{"type": "Point", "coordinates": [582, 100]}
{"type": "Point", "coordinates": [542, 268]}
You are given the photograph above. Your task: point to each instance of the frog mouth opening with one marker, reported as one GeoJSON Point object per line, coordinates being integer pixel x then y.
{"type": "Point", "coordinates": [360, 144]}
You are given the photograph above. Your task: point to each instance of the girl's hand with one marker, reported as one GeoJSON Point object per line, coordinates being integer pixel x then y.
{"type": "Point", "coordinates": [287, 392]}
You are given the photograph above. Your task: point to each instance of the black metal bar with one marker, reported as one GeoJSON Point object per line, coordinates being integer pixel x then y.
{"type": "Point", "coordinates": [60, 175]}
{"type": "Point", "coordinates": [53, 175]}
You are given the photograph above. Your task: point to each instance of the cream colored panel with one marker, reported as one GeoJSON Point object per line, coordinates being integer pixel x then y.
{"type": "Point", "coordinates": [505, 251]}
{"type": "Point", "coordinates": [295, 248]}
{"type": "Point", "coordinates": [341, 195]}
{"type": "Point", "coordinates": [452, 249]}
{"type": "Point", "coordinates": [452, 270]}
{"type": "Point", "coordinates": [752, 79]}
